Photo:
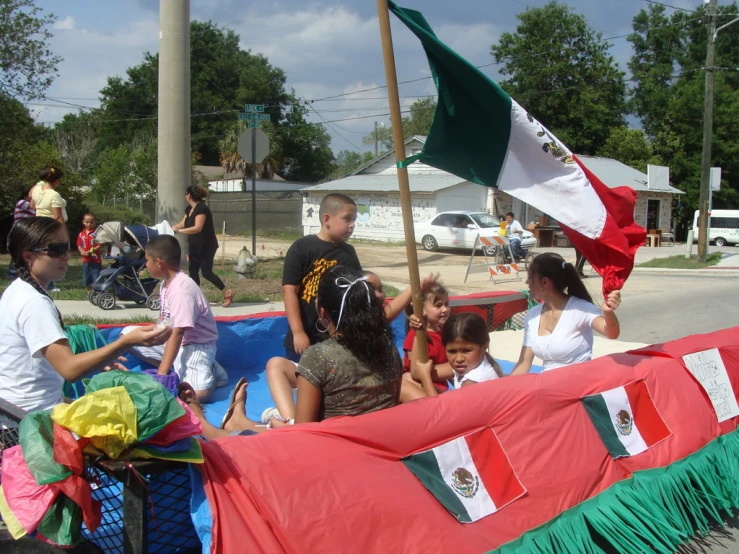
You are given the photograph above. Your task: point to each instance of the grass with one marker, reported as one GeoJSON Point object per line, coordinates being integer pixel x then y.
{"type": "Point", "coordinates": [680, 262]}
{"type": "Point", "coordinates": [77, 319]}
{"type": "Point", "coordinates": [390, 291]}
{"type": "Point", "coordinates": [265, 285]}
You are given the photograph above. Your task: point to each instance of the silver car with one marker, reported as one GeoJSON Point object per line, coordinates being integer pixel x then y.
{"type": "Point", "coordinates": [460, 229]}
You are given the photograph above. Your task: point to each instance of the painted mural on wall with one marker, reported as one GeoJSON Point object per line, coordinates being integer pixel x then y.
{"type": "Point", "coordinates": [375, 210]}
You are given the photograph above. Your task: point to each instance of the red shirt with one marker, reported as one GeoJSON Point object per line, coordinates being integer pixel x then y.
{"type": "Point", "coordinates": [84, 239]}
{"type": "Point", "coordinates": [436, 350]}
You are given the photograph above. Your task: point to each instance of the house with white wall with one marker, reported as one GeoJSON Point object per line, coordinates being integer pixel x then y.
{"type": "Point", "coordinates": [374, 186]}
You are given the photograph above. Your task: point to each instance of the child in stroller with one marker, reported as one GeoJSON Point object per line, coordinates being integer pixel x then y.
{"type": "Point", "coordinates": [121, 280]}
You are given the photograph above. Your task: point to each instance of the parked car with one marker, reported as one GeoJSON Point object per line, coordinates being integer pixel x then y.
{"type": "Point", "coordinates": [460, 229]}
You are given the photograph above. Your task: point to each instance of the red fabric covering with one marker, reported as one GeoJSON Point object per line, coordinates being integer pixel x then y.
{"type": "Point", "coordinates": [186, 426]}
{"type": "Point", "coordinates": [28, 500]}
{"type": "Point", "coordinates": [338, 486]}
{"type": "Point", "coordinates": [611, 254]}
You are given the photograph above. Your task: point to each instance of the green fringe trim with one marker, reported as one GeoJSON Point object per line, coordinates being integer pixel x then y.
{"type": "Point", "coordinates": [655, 511]}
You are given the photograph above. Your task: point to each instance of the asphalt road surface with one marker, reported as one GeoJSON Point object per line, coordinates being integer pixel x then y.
{"type": "Point", "coordinates": [658, 308]}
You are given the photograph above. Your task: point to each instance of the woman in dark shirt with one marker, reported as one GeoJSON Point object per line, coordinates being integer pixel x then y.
{"type": "Point", "coordinates": [201, 237]}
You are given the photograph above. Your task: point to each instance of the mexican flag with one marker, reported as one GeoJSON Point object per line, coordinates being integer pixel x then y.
{"type": "Point", "coordinates": [481, 134]}
{"type": "Point", "coordinates": [626, 419]}
{"type": "Point", "coordinates": [470, 476]}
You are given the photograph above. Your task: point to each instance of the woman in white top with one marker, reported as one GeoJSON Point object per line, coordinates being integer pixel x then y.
{"type": "Point", "coordinates": [559, 331]}
{"type": "Point", "coordinates": [45, 199]}
{"type": "Point", "coordinates": [35, 357]}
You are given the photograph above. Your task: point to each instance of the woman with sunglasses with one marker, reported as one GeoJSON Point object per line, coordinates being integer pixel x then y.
{"type": "Point", "coordinates": [35, 356]}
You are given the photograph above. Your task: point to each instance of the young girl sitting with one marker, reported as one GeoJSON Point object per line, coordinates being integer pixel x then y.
{"type": "Point", "coordinates": [435, 312]}
{"type": "Point", "coordinates": [466, 340]}
{"type": "Point", "coordinates": [281, 372]}
{"type": "Point", "coordinates": [356, 371]}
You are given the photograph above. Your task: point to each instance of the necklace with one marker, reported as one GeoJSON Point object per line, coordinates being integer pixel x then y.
{"type": "Point", "coordinates": [550, 327]}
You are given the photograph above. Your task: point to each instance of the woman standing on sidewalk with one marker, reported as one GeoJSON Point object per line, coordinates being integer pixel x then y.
{"type": "Point", "coordinates": [201, 239]}
{"type": "Point", "coordinates": [559, 331]}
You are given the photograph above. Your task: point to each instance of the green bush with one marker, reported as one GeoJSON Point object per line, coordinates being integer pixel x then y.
{"type": "Point", "coordinates": [117, 213]}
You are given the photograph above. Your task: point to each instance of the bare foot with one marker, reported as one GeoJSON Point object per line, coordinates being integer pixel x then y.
{"type": "Point", "coordinates": [238, 420]}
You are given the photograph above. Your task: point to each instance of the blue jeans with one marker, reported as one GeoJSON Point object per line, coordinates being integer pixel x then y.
{"type": "Point", "coordinates": [517, 249]}
{"type": "Point", "coordinates": [90, 272]}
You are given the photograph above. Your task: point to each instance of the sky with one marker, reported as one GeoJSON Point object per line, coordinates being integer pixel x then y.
{"type": "Point", "coordinates": [326, 48]}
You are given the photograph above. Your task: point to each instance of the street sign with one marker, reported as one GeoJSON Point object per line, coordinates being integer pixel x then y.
{"type": "Point", "coordinates": [252, 124]}
{"type": "Point", "coordinates": [715, 178]}
{"type": "Point", "coordinates": [254, 108]}
{"type": "Point", "coordinates": [245, 145]}
{"type": "Point", "coordinates": [255, 116]}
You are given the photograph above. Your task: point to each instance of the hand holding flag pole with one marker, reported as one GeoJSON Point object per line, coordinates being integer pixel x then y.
{"type": "Point", "coordinates": [383, 14]}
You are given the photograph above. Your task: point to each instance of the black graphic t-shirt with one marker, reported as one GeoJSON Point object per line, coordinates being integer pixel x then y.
{"type": "Point", "coordinates": [306, 261]}
{"type": "Point", "coordinates": [205, 242]}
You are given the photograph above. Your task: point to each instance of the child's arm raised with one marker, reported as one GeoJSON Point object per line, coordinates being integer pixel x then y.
{"type": "Point", "coordinates": [292, 308]}
{"type": "Point", "coordinates": [170, 351]}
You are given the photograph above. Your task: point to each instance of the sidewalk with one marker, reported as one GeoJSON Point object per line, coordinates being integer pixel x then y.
{"type": "Point", "coordinates": [128, 310]}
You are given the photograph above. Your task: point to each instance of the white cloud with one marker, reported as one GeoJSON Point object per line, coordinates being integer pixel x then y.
{"type": "Point", "coordinates": [66, 24]}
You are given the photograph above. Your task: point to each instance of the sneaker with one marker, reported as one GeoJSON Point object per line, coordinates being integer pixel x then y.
{"type": "Point", "coordinates": [220, 374]}
{"type": "Point", "coordinates": [269, 413]}
{"type": "Point", "coordinates": [53, 289]}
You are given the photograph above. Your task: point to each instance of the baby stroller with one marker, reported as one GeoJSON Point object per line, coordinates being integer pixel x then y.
{"type": "Point", "coordinates": [121, 280]}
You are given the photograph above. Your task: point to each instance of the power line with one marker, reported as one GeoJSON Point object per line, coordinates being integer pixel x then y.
{"type": "Point", "coordinates": [668, 6]}
{"type": "Point", "coordinates": [335, 131]}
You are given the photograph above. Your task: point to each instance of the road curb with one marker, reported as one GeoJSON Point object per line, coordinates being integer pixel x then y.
{"type": "Point", "coordinates": [713, 272]}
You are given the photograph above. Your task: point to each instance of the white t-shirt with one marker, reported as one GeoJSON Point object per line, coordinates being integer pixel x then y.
{"type": "Point", "coordinates": [571, 342]}
{"type": "Point", "coordinates": [483, 372]}
{"type": "Point", "coordinates": [28, 322]}
{"type": "Point", "coordinates": [512, 229]}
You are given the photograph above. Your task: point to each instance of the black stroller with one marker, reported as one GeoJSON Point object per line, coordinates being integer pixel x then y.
{"type": "Point", "coordinates": [122, 279]}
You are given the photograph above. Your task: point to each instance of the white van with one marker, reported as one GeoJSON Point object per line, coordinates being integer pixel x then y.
{"type": "Point", "coordinates": [724, 227]}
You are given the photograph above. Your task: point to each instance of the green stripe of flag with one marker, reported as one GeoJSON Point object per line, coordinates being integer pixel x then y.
{"type": "Point", "coordinates": [425, 467]}
{"type": "Point", "coordinates": [473, 120]}
{"type": "Point", "coordinates": [598, 412]}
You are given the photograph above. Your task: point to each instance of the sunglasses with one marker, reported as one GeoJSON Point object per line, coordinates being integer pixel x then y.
{"type": "Point", "coordinates": [55, 249]}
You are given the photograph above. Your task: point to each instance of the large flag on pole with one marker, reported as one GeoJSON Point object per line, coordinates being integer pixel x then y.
{"type": "Point", "coordinates": [481, 134]}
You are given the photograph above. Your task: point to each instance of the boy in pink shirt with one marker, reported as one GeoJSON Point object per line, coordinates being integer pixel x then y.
{"type": "Point", "coordinates": [191, 350]}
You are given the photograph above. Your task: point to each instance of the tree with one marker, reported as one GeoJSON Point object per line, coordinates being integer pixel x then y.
{"type": "Point", "coordinates": [560, 71]}
{"type": "Point", "coordinates": [629, 146]}
{"type": "Point", "coordinates": [76, 145]}
{"type": "Point", "coordinates": [223, 78]}
{"type": "Point", "coordinates": [668, 94]}
{"type": "Point", "coordinates": [347, 161]}
{"type": "Point", "coordinates": [27, 65]}
{"type": "Point", "coordinates": [417, 123]}
{"type": "Point", "coordinates": [307, 155]}
{"type": "Point", "coordinates": [232, 162]}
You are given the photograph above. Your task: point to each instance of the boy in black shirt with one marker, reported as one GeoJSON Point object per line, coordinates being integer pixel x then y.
{"type": "Point", "coordinates": [306, 261]}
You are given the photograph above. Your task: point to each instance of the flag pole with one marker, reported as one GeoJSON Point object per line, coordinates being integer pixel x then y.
{"type": "Point", "coordinates": [388, 55]}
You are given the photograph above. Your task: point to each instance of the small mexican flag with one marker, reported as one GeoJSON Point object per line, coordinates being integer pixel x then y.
{"type": "Point", "coordinates": [626, 419]}
{"type": "Point", "coordinates": [470, 476]}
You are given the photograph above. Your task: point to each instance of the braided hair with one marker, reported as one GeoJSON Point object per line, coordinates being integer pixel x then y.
{"type": "Point", "coordinates": [28, 234]}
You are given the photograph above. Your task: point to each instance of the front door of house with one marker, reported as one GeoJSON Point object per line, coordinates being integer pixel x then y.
{"type": "Point", "coordinates": [652, 214]}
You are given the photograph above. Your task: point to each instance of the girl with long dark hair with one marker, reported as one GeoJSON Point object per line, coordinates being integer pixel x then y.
{"type": "Point", "coordinates": [201, 240]}
{"type": "Point", "coordinates": [356, 371]}
{"type": "Point", "coordinates": [559, 331]}
{"type": "Point", "coordinates": [35, 356]}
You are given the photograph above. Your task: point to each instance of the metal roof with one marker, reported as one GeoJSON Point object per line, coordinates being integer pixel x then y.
{"type": "Point", "coordinates": [616, 174]}
{"type": "Point", "coordinates": [420, 182]}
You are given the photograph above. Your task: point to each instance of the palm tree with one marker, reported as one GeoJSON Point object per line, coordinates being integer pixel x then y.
{"type": "Point", "coordinates": [232, 162]}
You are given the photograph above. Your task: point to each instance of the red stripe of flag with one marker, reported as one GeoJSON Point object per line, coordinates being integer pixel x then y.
{"type": "Point", "coordinates": [611, 254]}
{"type": "Point", "coordinates": [494, 468]}
{"type": "Point", "coordinates": [646, 417]}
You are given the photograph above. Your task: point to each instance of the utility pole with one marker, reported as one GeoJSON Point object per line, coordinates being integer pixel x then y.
{"type": "Point", "coordinates": [174, 110]}
{"type": "Point", "coordinates": [705, 190]}
{"type": "Point", "coordinates": [375, 139]}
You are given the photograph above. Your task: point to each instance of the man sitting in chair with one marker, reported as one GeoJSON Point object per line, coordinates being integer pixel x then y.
{"type": "Point", "coordinates": [514, 232]}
